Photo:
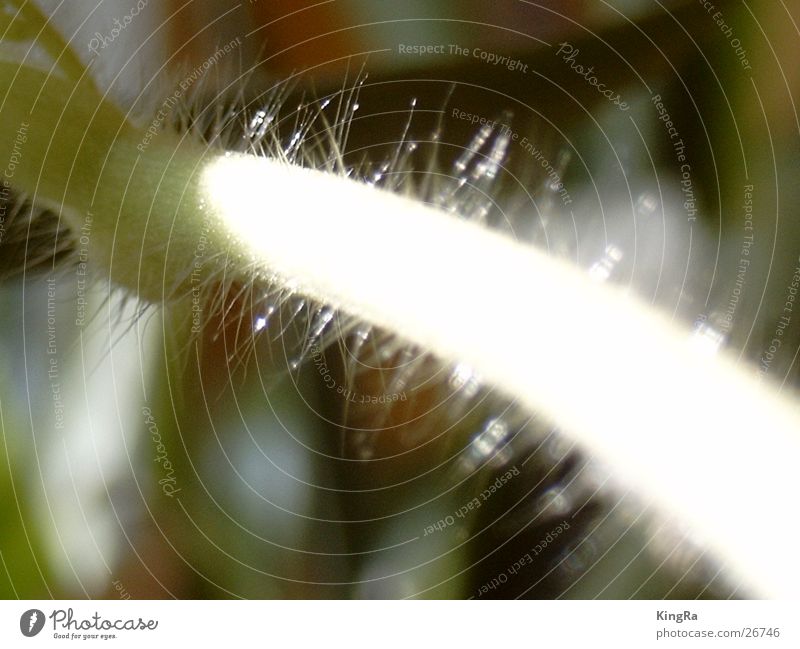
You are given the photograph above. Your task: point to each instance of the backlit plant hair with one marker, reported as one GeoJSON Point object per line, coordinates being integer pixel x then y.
{"type": "Point", "coordinates": [601, 377]}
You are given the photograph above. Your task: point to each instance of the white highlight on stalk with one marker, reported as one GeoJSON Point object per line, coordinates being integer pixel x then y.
{"type": "Point", "coordinates": [690, 431]}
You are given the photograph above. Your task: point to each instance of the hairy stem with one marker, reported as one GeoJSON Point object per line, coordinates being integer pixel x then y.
{"type": "Point", "coordinates": [625, 383]}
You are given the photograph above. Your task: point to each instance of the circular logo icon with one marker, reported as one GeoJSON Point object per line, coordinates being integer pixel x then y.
{"type": "Point", "coordinates": [31, 622]}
